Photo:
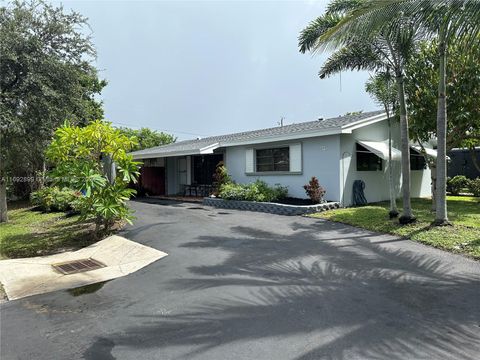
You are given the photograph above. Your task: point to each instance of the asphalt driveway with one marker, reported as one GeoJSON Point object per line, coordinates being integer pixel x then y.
{"type": "Point", "coordinates": [241, 285]}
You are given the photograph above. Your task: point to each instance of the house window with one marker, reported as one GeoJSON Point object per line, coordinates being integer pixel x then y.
{"type": "Point", "coordinates": [277, 159]}
{"type": "Point", "coordinates": [417, 161]}
{"type": "Point", "coordinates": [366, 160]}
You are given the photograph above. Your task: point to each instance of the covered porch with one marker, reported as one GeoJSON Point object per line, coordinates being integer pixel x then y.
{"type": "Point", "coordinates": [191, 175]}
{"type": "Point", "coordinates": [179, 176]}
{"type": "Point", "coordinates": [179, 169]}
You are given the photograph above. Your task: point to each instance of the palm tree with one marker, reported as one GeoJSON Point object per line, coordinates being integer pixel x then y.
{"type": "Point", "coordinates": [445, 19]}
{"type": "Point", "coordinates": [381, 88]}
{"type": "Point", "coordinates": [383, 50]}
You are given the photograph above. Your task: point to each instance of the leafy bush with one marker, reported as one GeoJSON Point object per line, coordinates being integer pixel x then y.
{"type": "Point", "coordinates": [84, 158]}
{"type": "Point", "coordinates": [257, 191]}
{"type": "Point", "coordinates": [474, 186]}
{"type": "Point", "coordinates": [220, 178]}
{"type": "Point", "coordinates": [232, 191]}
{"type": "Point", "coordinates": [262, 192]}
{"type": "Point", "coordinates": [314, 190]}
{"type": "Point", "coordinates": [54, 199]}
{"type": "Point", "coordinates": [456, 184]}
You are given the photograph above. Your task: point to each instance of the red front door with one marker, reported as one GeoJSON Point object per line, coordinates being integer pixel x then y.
{"type": "Point", "coordinates": [152, 180]}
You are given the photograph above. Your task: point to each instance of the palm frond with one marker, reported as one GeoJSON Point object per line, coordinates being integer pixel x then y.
{"type": "Point", "coordinates": [309, 36]}
{"type": "Point", "coordinates": [342, 6]}
{"type": "Point", "coordinates": [461, 16]}
{"type": "Point", "coordinates": [353, 57]}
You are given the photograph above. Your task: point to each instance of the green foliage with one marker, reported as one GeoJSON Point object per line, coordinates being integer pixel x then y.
{"type": "Point", "coordinates": [233, 191]}
{"type": "Point", "coordinates": [474, 186]}
{"type": "Point", "coordinates": [314, 190]}
{"type": "Point", "coordinates": [83, 158]}
{"type": "Point", "coordinates": [257, 191]}
{"type": "Point", "coordinates": [463, 89]}
{"type": "Point", "coordinates": [54, 199]}
{"type": "Point", "coordinates": [220, 178]}
{"type": "Point", "coordinates": [456, 184]}
{"type": "Point", "coordinates": [383, 90]}
{"type": "Point", "coordinates": [261, 192]}
{"type": "Point", "coordinates": [147, 138]}
{"type": "Point", "coordinates": [47, 76]}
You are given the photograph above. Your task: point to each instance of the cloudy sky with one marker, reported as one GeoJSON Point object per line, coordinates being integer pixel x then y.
{"type": "Point", "coordinates": [205, 68]}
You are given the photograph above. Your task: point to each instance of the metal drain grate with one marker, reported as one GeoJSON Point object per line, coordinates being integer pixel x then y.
{"type": "Point", "coordinates": [78, 266]}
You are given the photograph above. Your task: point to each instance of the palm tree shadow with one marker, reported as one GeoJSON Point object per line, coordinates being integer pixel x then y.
{"type": "Point", "coordinates": [366, 300]}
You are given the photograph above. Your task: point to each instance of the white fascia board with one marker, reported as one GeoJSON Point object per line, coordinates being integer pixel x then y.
{"type": "Point", "coordinates": [209, 149]}
{"type": "Point", "coordinates": [296, 136]}
{"type": "Point", "coordinates": [206, 150]}
{"type": "Point", "coordinates": [162, 155]}
{"type": "Point", "coordinates": [347, 129]}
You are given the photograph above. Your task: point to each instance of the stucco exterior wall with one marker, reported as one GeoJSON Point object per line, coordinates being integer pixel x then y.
{"type": "Point", "coordinates": [376, 182]}
{"type": "Point", "coordinates": [319, 158]}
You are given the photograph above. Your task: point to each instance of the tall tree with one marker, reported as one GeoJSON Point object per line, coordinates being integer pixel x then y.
{"type": "Point", "coordinates": [448, 21]}
{"type": "Point", "coordinates": [463, 85]}
{"type": "Point", "coordinates": [47, 77]}
{"type": "Point", "coordinates": [382, 50]}
{"type": "Point", "coordinates": [147, 138]}
{"type": "Point", "coordinates": [381, 88]}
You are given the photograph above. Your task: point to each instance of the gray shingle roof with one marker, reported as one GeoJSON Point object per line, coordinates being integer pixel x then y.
{"type": "Point", "coordinates": [195, 146]}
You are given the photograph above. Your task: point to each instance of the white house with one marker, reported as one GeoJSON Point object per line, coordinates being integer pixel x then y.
{"type": "Point", "coordinates": [337, 151]}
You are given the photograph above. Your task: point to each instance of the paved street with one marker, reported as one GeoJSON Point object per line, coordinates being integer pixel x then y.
{"type": "Point", "coordinates": [243, 285]}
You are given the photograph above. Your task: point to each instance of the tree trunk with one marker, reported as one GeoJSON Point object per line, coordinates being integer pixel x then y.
{"type": "Point", "coordinates": [98, 223]}
{"type": "Point", "coordinates": [393, 203]}
{"type": "Point", "coordinates": [441, 196]}
{"type": "Point", "coordinates": [407, 215]}
{"type": "Point", "coordinates": [3, 200]}
{"type": "Point", "coordinates": [42, 175]}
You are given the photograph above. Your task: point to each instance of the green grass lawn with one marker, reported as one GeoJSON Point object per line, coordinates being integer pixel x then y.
{"type": "Point", "coordinates": [464, 213]}
{"type": "Point", "coordinates": [33, 233]}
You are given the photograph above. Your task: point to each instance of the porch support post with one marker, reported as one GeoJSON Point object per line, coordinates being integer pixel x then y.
{"type": "Point", "coordinates": [189, 170]}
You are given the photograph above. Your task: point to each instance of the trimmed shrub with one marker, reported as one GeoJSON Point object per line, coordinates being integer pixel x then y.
{"type": "Point", "coordinates": [474, 187]}
{"type": "Point", "coordinates": [258, 191]}
{"type": "Point", "coordinates": [314, 190]}
{"type": "Point", "coordinates": [54, 198]}
{"type": "Point", "coordinates": [456, 184]}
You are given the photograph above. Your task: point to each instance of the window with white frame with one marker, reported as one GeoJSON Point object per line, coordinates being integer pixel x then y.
{"type": "Point", "coordinates": [279, 159]}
